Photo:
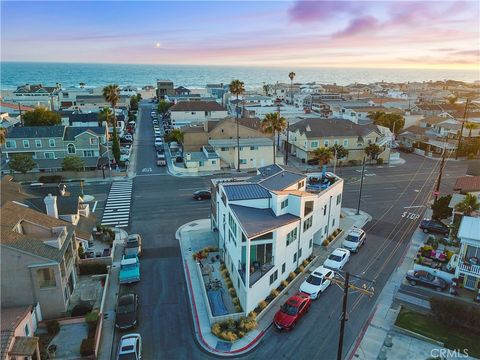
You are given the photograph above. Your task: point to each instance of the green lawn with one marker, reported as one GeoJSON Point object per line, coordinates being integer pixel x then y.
{"type": "Point", "coordinates": [426, 325]}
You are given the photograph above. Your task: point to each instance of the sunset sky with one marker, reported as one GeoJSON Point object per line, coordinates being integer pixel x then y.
{"type": "Point", "coordinates": [390, 34]}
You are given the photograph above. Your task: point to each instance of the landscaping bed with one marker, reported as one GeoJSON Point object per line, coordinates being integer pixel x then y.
{"type": "Point", "coordinates": [428, 326]}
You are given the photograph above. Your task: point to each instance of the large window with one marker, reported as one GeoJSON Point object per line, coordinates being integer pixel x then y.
{"type": "Point", "coordinates": [38, 143]}
{"type": "Point", "coordinates": [314, 144]}
{"type": "Point", "coordinates": [273, 277]}
{"type": "Point", "coordinates": [307, 224]}
{"type": "Point", "coordinates": [49, 155]}
{"type": "Point", "coordinates": [308, 208]}
{"type": "Point", "coordinates": [339, 198]}
{"type": "Point", "coordinates": [10, 144]}
{"type": "Point", "coordinates": [26, 144]}
{"type": "Point", "coordinates": [88, 153]}
{"type": "Point", "coordinates": [292, 236]}
{"type": "Point", "coordinates": [261, 254]}
{"type": "Point", "coordinates": [46, 278]}
{"type": "Point", "coordinates": [232, 223]}
{"type": "Point", "coordinates": [284, 204]}
{"type": "Point", "coordinates": [345, 143]}
{"type": "Point", "coordinates": [51, 142]}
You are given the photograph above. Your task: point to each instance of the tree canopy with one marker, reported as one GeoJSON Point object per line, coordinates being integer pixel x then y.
{"type": "Point", "coordinates": [395, 122]}
{"type": "Point", "coordinates": [372, 151]}
{"type": "Point", "coordinates": [440, 208]}
{"type": "Point", "coordinates": [41, 117]}
{"type": "Point", "coordinates": [111, 93]}
{"type": "Point", "coordinates": [341, 151]}
{"type": "Point", "coordinates": [163, 106]}
{"type": "Point", "coordinates": [273, 123]}
{"type": "Point", "coordinates": [133, 103]}
{"type": "Point", "coordinates": [73, 163]}
{"type": "Point", "coordinates": [105, 114]}
{"type": "Point", "coordinates": [468, 205]}
{"type": "Point", "coordinates": [323, 154]}
{"type": "Point", "coordinates": [21, 163]}
{"type": "Point", "coordinates": [174, 135]}
{"type": "Point", "coordinates": [115, 145]}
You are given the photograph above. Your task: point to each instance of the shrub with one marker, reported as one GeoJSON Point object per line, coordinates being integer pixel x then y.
{"type": "Point", "coordinates": [50, 178]}
{"type": "Point", "coordinates": [252, 315]}
{"type": "Point", "coordinates": [305, 262]}
{"type": "Point", "coordinates": [81, 252]}
{"type": "Point", "coordinates": [262, 304]}
{"type": "Point", "coordinates": [238, 308]}
{"type": "Point", "coordinates": [292, 276]}
{"type": "Point", "coordinates": [228, 335]}
{"type": "Point", "coordinates": [274, 293]}
{"type": "Point", "coordinates": [236, 301]}
{"type": "Point", "coordinates": [87, 347]}
{"type": "Point", "coordinates": [325, 242]}
{"type": "Point", "coordinates": [330, 238]}
{"type": "Point", "coordinates": [53, 327]}
{"type": "Point", "coordinates": [92, 269]}
{"type": "Point", "coordinates": [246, 324]}
{"type": "Point", "coordinates": [229, 283]}
{"type": "Point", "coordinates": [232, 292]}
{"type": "Point", "coordinates": [285, 283]}
{"type": "Point", "coordinates": [301, 268]}
{"type": "Point", "coordinates": [224, 273]}
{"type": "Point", "coordinates": [211, 249]}
{"type": "Point", "coordinates": [379, 161]}
{"type": "Point", "coordinates": [223, 267]}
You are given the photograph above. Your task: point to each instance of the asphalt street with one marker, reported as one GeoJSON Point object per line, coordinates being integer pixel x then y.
{"type": "Point", "coordinates": [161, 203]}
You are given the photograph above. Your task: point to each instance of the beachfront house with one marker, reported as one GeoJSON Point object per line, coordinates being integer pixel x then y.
{"type": "Point", "coordinates": [267, 225]}
{"type": "Point", "coordinates": [468, 269]}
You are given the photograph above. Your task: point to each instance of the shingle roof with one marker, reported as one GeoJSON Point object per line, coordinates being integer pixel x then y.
{"type": "Point", "coordinates": [12, 191]}
{"type": "Point", "coordinates": [257, 221]}
{"type": "Point", "coordinates": [197, 106]}
{"type": "Point", "coordinates": [467, 184]}
{"type": "Point", "coordinates": [83, 117]}
{"type": "Point", "coordinates": [432, 120]}
{"type": "Point", "coordinates": [35, 132]}
{"type": "Point", "coordinates": [245, 192]}
{"type": "Point", "coordinates": [65, 205]}
{"type": "Point", "coordinates": [252, 123]}
{"type": "Point", "coordinates": [72, 131]}
{"type": "Point", "coordinates": [85, 226]}
{"type": "Point", "coordinates": [12, 213]}
{"type": "Point", "coordinates": [320, 127]}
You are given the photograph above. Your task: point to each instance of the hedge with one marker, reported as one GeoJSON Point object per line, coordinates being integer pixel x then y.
{"type": "Point", "coordinates": [88, 347]}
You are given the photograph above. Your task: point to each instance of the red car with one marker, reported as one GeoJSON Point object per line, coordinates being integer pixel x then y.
{"type": "Point", "coordinates": [292, 311]}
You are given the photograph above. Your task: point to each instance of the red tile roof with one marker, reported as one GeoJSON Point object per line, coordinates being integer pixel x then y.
{"type": "Point", "coordinates": [467, 184]}
{"type": "Point", "coordinates": [15, 106]}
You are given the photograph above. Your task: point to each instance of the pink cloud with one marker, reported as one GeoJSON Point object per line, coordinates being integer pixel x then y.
{"type": "Point", "coordinates": [308, 11]}
{"type": "Point", "coordinates": [358, 26]}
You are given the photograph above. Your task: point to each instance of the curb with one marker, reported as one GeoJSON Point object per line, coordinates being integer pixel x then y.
{"type": "Point", "coordinates": [198, 334]}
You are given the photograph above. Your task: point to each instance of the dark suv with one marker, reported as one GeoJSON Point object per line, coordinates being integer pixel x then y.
{"type": "Point", "coordinates": [434, 226]}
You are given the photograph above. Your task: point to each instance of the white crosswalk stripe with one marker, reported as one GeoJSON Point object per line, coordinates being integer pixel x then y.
{"type": "Point", "coordinates": [117, 207]}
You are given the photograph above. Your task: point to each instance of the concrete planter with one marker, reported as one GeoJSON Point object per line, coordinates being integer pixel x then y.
{"type": "Point", "coordinates": [274, 301]}
{"type": "Point", "coordinates": [334, 240]}
{"type": "Point", "coordinates": [415, 335]}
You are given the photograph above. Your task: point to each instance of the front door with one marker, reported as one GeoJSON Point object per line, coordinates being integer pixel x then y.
{"type": "Point", "coordinates": [470, 282]}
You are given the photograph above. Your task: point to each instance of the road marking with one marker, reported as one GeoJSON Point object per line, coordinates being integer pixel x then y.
{"type": "Point", "coordinates": [147, 170]}
{"type": "Point", "coordinates": [117, 207]}
{"type": "Point", "coordinates": [94, 206]}
{"type": "Point", "coordinates": [411, 207]}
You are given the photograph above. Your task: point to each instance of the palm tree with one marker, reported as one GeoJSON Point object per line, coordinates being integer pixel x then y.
{"type": "Point", "coordinates": [468, 205]}
{"type": "Point", "coordinates": [2, 136]}
{"type": "Point", "coordinates": [323, 154]}
{"type": "Point", "coordinates": [266, 89]}
{"type": "Point", "coordinates": [470, 126]}
{"type": "Point", "coordinates": [105, 115]}
{"type": "Point", "coordinates": [111, 93]}
{"type": "Point", "coordinates": [291, 75]}
{"type": "Point", "coordinates": [273, 123]}
{"type": "Point", "coordinates": [237, 88]}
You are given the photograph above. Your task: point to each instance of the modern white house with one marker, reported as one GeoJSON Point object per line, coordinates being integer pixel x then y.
{"type": "Point", "coordinates": [267, 225]}
{"type": "Point", "coordinates": [468, 269]}
{"type": "Point", "coordinates": [196, 112]}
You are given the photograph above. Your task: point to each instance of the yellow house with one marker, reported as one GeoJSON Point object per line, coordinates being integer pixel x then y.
{"type": "Point", "coordinates": [309, 134]}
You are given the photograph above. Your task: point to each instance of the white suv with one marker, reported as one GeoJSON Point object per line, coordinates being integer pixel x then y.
{"type": "Point", "coordinates": [355, 238]}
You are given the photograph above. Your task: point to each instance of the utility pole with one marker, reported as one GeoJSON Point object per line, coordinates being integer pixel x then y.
{"type": "Point", "coordinates": [288, 145]}
{"type": "Point", "coordinates": [346, 286]}
{"type": "Point", "coordinates": [361, 186]}
{"type": "Point", "coordinates": [461, 129]}
{"type": "Point", "coordinates": [439, 179]}
{"type": "Point", "coordinates": [20, 111]}
{"type": "Point", "coordinates": [344, 317]}
{"type": "Point", "coordinates": [335, 160]}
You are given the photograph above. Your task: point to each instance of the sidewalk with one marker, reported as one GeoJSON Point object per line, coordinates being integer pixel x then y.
{"type": "Point", "coordinates": [196, 235]}
{"type": "Point", "coordinates": [108, 328]}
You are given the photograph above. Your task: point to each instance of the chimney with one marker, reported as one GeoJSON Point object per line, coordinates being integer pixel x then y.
{"type": "Point", "coordinates": [51, 205]}
{"type": "Point", "coordinates": [188, 156]}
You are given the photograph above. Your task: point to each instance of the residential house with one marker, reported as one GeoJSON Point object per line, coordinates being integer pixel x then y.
{"type": "Point", "coordinates": [68, 97]}
{"type": "Point", "coordinates": [360, 114]}
{"type": "Point", "coordinates": [411, 135]}
{"type": "Point", "coordinates": [312, 133]}
{"type": "Point", "coordinates": [403, 104]}
{"type": "Point", "coordinates": [38, 254]}
{"type": "Point", "coordinates": [468, 269]}
{"type": "Point", "coordinates": [165, 88]}
{"type": "Point", "coordinates": [14, 109]}
{"type": "Point", "coordinates": [18, 325]}
{"type": "Point", "coordinates": [78, 119]}
{"type": "Point", "coordinates": [97, 101]}
{"type": "Point", "coordinates": [217, 90]}
{"type": "Point", "coordinates": [37, 95]}
{"type": "Point", "coordinates": [267, 225]}
{"type": "Point", "coordinates": [205, 160]}
{"type": "Point", "coordinates": [49, 145]}
{"type": "Point", "coordinates": [182, 90]}
{"type": "Point", "coordinates": [468, 184]}
{"type": "Point", "coordinates": [7, 121]}
{"type": "Point", "coordinates": [196, 112]}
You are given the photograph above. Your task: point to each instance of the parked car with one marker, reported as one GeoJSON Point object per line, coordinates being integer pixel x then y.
{"type": "Point", "coordinates": [317, 282]}
{"type": "Point", "coordinates": [179, 159]}
{"type": "Point", "coordinates": [129, 269]}
{"type": "Point", "coordinates": [127, 310]}
{"type": "Point", "coordinates": [160, 155]}
{"type": "Point", "coordinates": [354, 240]}
{"type": "Point", "coordinates": [133, 245]}
{"type": "Point", "coordinates": [130, 347]}
{"type": "Point", "coordinates": [296, 306]}
{"type": "Point", "coordinates": [125, 157]}
{"type": "Point", "coordinates": [337, 259]}
{"type": "Point", "coordinates": [434, 226]}
{"type": "Point", "coordinates": [155, 122]}
{"type": "Point", "coordinates": [128, 137]}
{"type": "Point", "coordinates": [202, 194]}
{"type": "Point", "coordinates": [420, 277]}
{"type": "Point", "coordinates": [158, 141]}
{"type": "Point", "coordinates": [161, 162]}
{"type": "Point", "coordinates": [173, 145]}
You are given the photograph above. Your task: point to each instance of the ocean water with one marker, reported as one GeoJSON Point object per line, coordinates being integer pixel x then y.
{"type": "Point", "coordinates": [13, 74]}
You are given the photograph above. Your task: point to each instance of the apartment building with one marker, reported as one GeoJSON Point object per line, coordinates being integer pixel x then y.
{"type": "Point", "coordinates": [267, 225]}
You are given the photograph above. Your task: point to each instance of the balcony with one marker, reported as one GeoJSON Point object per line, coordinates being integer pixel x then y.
{"type": "Point", "coordinates": [257, 270]}
{"type": "Point", "coordinates": [468, 268]}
